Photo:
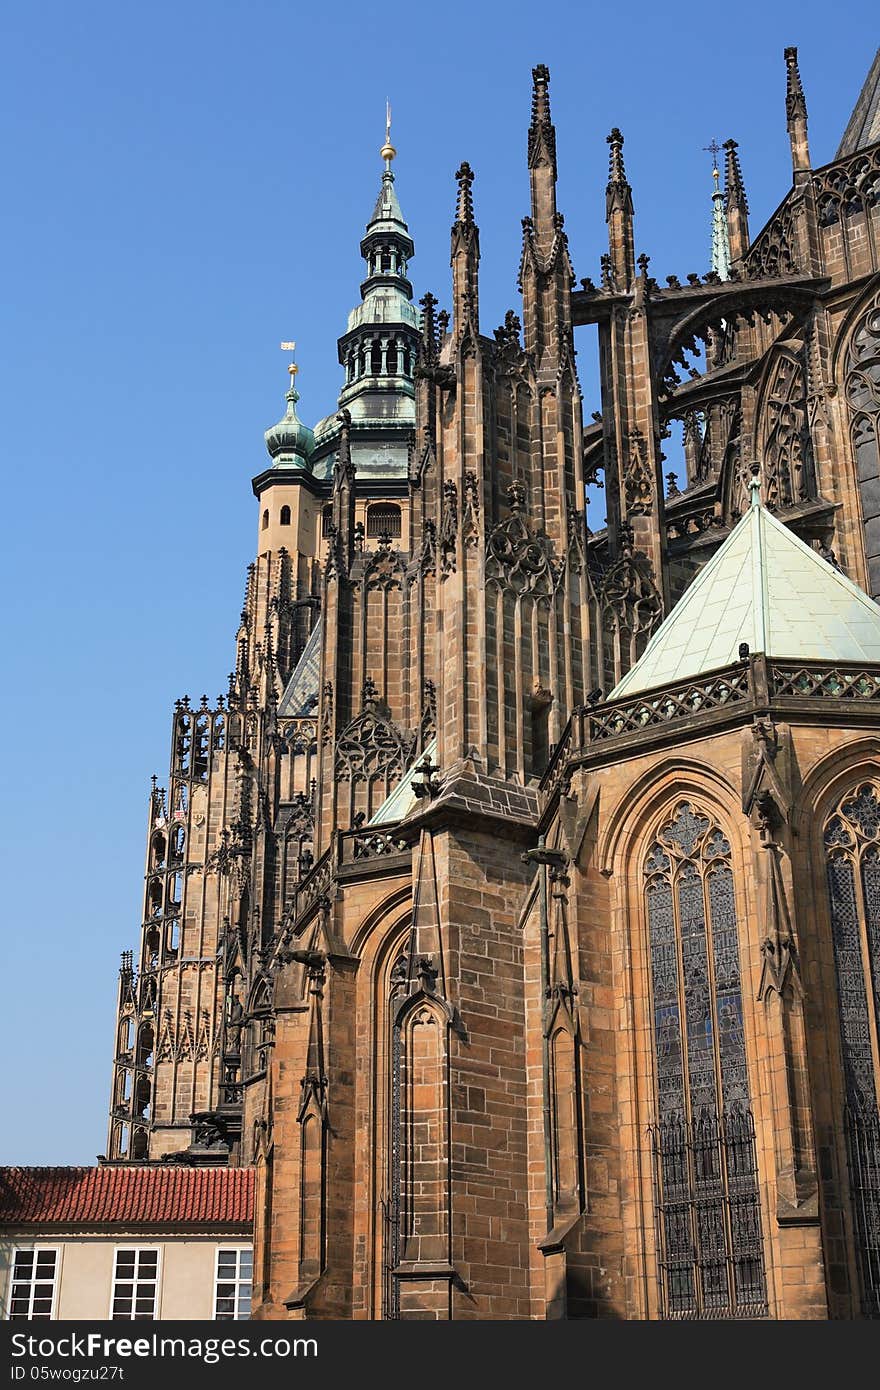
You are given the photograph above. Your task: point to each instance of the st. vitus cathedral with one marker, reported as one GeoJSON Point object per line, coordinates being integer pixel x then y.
{"type": "Point", "coordinates": [516, 914]}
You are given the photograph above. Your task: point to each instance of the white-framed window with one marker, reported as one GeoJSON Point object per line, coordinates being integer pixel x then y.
{"type": "Point", "coordinates": [232, 1284]}
{"type": "Point", "coordinates": [135, 1284]}
{"type": "Point", "coordinates": [33, 1285]}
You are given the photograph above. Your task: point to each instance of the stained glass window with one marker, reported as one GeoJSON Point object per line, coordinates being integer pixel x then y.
{"type": "Point", "coordinates": [705, 1169]}
{"type": "Point", "coordinates": [852, 852]}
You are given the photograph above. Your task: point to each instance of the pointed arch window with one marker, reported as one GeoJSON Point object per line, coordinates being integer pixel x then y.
{"type": "Point", "coordinates": [710, 1250]}
{"type": "Point", "coordinates": [852, 852]}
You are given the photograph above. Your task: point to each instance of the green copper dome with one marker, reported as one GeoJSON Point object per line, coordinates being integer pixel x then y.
{"type": "Point", "coordinates": [290, 442]}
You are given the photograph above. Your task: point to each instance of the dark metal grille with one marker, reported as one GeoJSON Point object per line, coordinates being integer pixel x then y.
{"type": "Point", "coordinates": [710, 1249]}
{"type": "Point", "coordinates": [711, 1252]}
{"type": "Point", "coordinates": [383, 521]}
{"type": "Point", "coordinates": [853, 868]}
{"type": "Point", "coordinates": [863, 1155]}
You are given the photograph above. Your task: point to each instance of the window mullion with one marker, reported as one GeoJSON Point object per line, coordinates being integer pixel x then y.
{"type": "Point", "coordinates": [687, 1115]}
{"type": "Point", "coordinates": [868, 971]}
{"type": "Point", "coordinates": [719, 1090]}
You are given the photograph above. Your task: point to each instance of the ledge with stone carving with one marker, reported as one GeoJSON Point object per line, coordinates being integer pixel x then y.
{"type": "Point", "coordinates": [365, 852]}
{"type": "Point", "coordinates": [815, 691]}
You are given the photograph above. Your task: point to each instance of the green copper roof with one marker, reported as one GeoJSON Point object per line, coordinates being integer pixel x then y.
{"type": "Point", "coordinates": [387, 209]}
{"type": "Point", "coordinates": [398, 805]}
{"type": "Point", "coordinates": [765, 587]}
{"type": "Point", "coordinates": [290, 442]}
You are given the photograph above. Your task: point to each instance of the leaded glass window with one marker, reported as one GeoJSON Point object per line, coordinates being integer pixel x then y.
{"type": "Point", "coordinates": [710, 1251]}
{"type": "Point", "coordinates": [852, 850]}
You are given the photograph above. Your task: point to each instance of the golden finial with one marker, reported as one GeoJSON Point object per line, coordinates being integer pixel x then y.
{"type": "Point", "coordinates": [387, 151]}
{"type": "Point", "coordinates": [292, 368]}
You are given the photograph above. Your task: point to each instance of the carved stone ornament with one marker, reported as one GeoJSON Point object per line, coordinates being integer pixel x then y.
{"type": "Point", "coordinates": [470, 521]}
{"type": "Point", "coordinates": [448, 539]}
{"type": "Point", "coordinates": [628, 589]}
{"type": "Point", "coordinates": [384, 568]}
{"type": "Point", "coordinates": [519, 558]}
{"type": "Point", "coordinates": [371, 746]}
{"type": "Point", "coordinates": [637, 479]}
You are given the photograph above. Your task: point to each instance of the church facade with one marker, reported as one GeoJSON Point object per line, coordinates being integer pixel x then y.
{"type": "Point", "coordinates": [516, 912]}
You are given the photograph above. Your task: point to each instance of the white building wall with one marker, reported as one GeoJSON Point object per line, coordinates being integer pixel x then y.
{"type": "Point", "coordinates": [84, 1280]}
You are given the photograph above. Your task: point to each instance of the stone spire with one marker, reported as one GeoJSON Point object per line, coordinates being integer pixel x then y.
{"type": "Point", "coordinates": [542, 158]}
{"type": "Point", "coordinates": [796, 114]}
{"type": "Point", "coordinates": [736, 202]}
{"type": "Point", "coordinates": [465, 257]}
{"type": "Point", "coordinates": [619, 216]}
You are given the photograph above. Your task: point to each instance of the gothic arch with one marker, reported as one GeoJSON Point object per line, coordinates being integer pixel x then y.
{"type": "Point", "coordinates": [622, 853]}
{"type": "Point", "coordinates": [782, 441]}
{"type": "Point", "coordinates": [836, 941]}
{"type": "Point", "coordinates": [844, 334]}
{"type": "Point", "coordinates": [678, 777]}
{"type": "Point", "coordinates": [829, 776]}
{"type": "Point", "coordinates": [700, 1081]}
{"type": "Point", "coordinates": [375, 918]}
{"type": "Point", "coordinates": [384, 937]}
{"type": "Point", "coordinates": [858, 367]}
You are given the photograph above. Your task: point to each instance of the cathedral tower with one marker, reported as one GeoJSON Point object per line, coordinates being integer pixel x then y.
{"type": "Point", "coordinates": [514, 914]}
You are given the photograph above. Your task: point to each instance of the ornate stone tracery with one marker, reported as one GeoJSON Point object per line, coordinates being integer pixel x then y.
{"type": "Point", "coordinates": [786, 447]}
{"type": "Point", "coordinates": [517, 557]}
{"type": "Point", "coordinates": [371, 746]}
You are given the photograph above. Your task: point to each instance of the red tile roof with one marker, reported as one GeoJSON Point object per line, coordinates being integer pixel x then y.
{"type": "Point", "coordinates": [126, 1196]}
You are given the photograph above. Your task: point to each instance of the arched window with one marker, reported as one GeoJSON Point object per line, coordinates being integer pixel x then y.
{"type": "Point", "coordinates": [172, 937]}
{"type": "Point", "coordinates": [383, 520]}
{"type": "Point", "coordinates": [284, 518]}
{"type": "Point", "coordinates": [266, 520]}
{"type": "Point", "coordinates": [126, 1035]}
{"type": "Point", "coordinates": [145, 1046]}
{"type": "Point", "coordinates": [710, 1256]}
{"type": "Point", "coordinates": [852, 850]}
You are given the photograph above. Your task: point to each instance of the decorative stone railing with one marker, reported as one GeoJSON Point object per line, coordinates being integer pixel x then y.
{"type": "Point", "coordinates": [753, 685]}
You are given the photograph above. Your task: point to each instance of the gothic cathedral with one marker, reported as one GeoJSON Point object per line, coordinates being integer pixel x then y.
{"type": "Point", "coordinates": [516, 913]}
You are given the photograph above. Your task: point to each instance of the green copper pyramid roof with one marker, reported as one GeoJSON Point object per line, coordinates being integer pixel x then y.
{"type": "Point", "coordinates": [398, 805]}
{"type": "Point", "coordinates": [387, 209]}
{"type": "Point", "coordinates": [765, 587]}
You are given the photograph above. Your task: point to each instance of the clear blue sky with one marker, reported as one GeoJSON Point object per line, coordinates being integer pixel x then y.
{"type": "Point", "coordinates": [184, 186]}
